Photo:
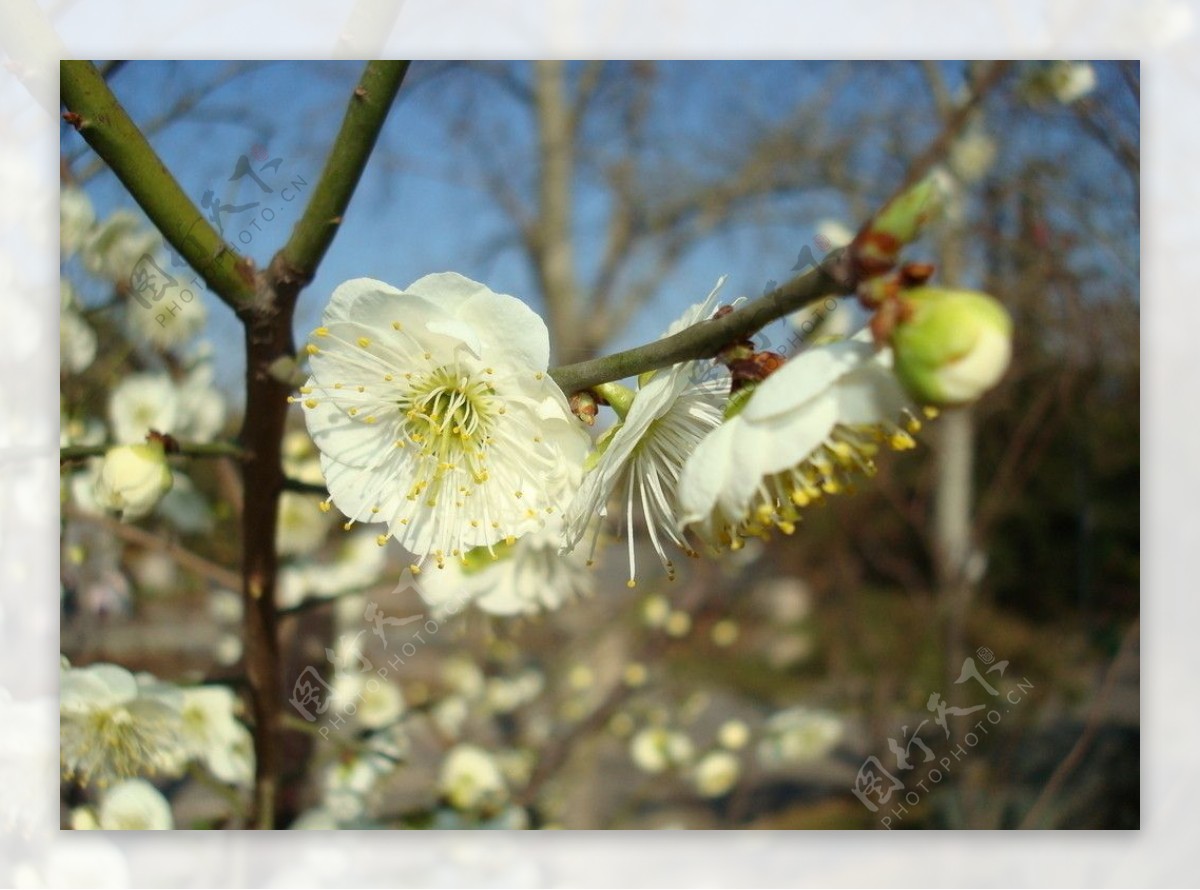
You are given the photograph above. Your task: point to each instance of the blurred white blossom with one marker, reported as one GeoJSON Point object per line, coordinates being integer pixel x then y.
{"type": "Point", "coordinates": [528, 576]}
{"type": "Point", "coordinates": [972, 154]}
{"type": "Point", "coordinates": [132, 480]}
{"type": "Point", "coordinates": [348, 782]}
{"type": "Point", "coordinates": [359, 561]}
{"type": "Point", "coordinates": [174, 318]}
{"type": "Point", "coordinates": [470, 779]}
{"type": "Point", "coordinates": [799, 735]}
{"type": "Point", "coordinates": [733, 734]}
{"type": "Point", "coordinates": [134, 805]}
{"type": "Point", "coordinates": [1070, 81]}
{"type": "Point", "coordinates": [112, 248]}
{"type": "Point", "coordinates": [656, 749]}
{"type": "Point", "coordinates": [143, 402]}
{"type": "Point", "coordinates": [110, 729]}
{"type": "Point", "coordinates": [212, 734]}
{"type": "Point", "coordinates": [302, 526]}
{"type": "Point", "coordinates": [505, 694]}
{"type": "Point", "coordinates": [76, 215]}
{"type": "Point", "coordinates": [716, 773]}
{"type": "Point", "coordinates": [76, 339]}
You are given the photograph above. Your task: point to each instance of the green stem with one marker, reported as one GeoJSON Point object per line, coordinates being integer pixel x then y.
{"type": "Point", "coordinates": [98, 116]}
{"type": "Point", "coordinates": [360, 128]}
{"type": "Point", "coordinates": [705, 340]}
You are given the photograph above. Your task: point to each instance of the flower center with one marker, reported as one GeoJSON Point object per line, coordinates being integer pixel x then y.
{"type": "Point", "coordinates": [448, 416]}
{"type": "Point", "coordinates": [848, 454]}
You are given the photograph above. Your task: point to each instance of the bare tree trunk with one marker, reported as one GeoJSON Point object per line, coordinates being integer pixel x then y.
{"type": "Point", "coordinates": [952, 523]}
{"type": "Point", "coordinates": [554, 256]}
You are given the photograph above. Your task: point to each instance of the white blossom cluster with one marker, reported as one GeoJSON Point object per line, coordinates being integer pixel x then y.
{"type": "Point", "coordinates": [432, 422]}
{"type": "Point", "coordinates": [435, 417]}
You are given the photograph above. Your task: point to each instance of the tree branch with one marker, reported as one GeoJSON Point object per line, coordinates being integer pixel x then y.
{"type": "Point", "coordinates": [70, 453]}
{"type": "Point", "coordinates": [268, 324]}
{"type": "Point", "coordinates": [132, 534]}
{"type": "Point", "coordinates": [553, 254]}
{"type": "Point", "coordinates": [832, 277]}
{"type": "Point", "coordinates": [95, 112]}
{"type": "Point", "coordinates": [360, 128]}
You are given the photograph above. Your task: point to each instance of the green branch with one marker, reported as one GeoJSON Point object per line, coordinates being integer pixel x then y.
{"type": "Point", "coordinates": [705, 340]}
{"type": "Point", "coordinates": [368, 109]}
{"type": "Point", "coordinates": [95, 112]}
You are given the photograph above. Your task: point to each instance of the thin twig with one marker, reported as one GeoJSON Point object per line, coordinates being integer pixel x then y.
{"type": "Point", "coordinates": [132, 534]}
{"type": "Point", "coordinates": [704, 340]}
{"type": "Point", "coordinates": [1075, 756]}
{"type": "Point", "coordinates": [69, 453]}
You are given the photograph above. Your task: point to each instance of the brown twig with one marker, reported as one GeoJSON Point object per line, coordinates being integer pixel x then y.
{"type": "Point", "coordinates": [132, 534]}
{"type": "Point", "coordinates": [1075, 756]}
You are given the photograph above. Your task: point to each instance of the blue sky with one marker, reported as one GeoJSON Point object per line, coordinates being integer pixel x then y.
{"type": "Point", "coordinates": [420, 208]}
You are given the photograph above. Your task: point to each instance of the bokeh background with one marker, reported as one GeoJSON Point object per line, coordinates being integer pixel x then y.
{"type": "Point", "coordinates": [1011, 535]}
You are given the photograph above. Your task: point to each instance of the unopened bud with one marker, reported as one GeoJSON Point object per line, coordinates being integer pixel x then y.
{"type": "Point", "coordinates": [877, 247]}
{"type": "Point", "coordinates": [583, 406]}
{"type": "Point", "coordinates": [133, 479]}
{"type": "Point", "coordinates": [950, 346]}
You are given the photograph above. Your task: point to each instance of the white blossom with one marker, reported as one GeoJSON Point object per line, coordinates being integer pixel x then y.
{"type": "Point", "coordinates": [213, 736]}
{"type": "Point", "coordinates": [134, 805]}
{"type": "Point", "coordinates": [733, 734]}
{"type": "Point", "coordinates": [470, 779]}
{"type": "Point", "coordinates": [113, 247]}
{"type": "Point", "coordinates": [76, 338]}
{"type": "Point", "coordinates": [132, 480]}
{"type": "Point", "coordinates": [531, 575]}
{"type": "Point", "coordinates": [807, 431]}
{"type": "Point", "coordinates": [716, 773]}
{"type": "Point", "coordinates": [656, 749]}
{"type": "Point", "coordinates": [177, 316]}
{"type": "Point", "coordinates": [143, 402]}
{"type": "Point", "coordinates": [972, 154]}
{"type": "Point", "coordinates": [302, 524]}
{"type": "Point", "coordinates": [358, 562]}
{"type": "Point", "coordinates": [639, 461]}
{"type": "Point", "coordinates": [434, 414]}
{"type": "Point", "coordinates": [109, 729]}
{"type": "Point", "coordinates": [799, 735]}
{"type": "Point", "coordinates": [1070, 81]}
{"type": "Point", "coordinates": [76, 216]}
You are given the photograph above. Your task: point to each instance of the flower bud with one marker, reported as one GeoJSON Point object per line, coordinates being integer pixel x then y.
{"type": "Point", "coordinates": [132, 479]}
{"type": "Point", "coordinates": [950, 346]}
{"type": "Point", "coordinates": [877, 247]}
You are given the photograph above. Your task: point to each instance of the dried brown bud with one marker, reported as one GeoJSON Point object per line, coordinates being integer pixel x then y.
{"type": "Point", "coordinates": [583, 405]}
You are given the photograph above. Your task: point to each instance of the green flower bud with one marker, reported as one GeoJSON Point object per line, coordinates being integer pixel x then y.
{"type": "Point", "coordinates": [133, 479]}
{"type": "Point", "coordinates": [950, 346]}
{"type": "Point", "coordinates": [877, 247]}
